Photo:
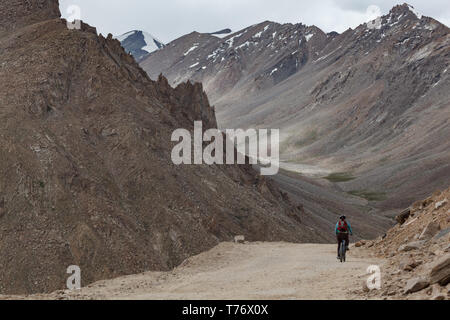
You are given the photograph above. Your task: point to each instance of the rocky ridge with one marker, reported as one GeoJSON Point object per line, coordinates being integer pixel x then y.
{"type": "Point", "coordinates": [87, 177]}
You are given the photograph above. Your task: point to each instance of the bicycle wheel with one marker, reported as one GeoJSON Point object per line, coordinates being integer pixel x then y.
{"type": "Point", "coordinates": [342, 251]}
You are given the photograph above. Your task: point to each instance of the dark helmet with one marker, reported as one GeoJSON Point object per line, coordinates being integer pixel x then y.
{"type": "Point", "coordinates": [343, 217]}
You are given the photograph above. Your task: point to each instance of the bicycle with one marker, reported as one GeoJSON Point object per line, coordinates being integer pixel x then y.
{"type": "Point", "coordinates": [343, 250]}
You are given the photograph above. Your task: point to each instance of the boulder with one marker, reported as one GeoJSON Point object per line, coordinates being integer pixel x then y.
{"type": "Point", "coordinates": [438, 296]}
{"type": "Point", "coordinates": [396, 272]}
{"type": "Point", "coordinates": [436, 292]}
{"type": "Point", "coordinates": [443, 233]}
{"type": "Point", "coordinates": [360, 243]}
{"type": "Point", "coordinates": [402, 217]}
{"type": "Point", "coordinates": [440, 271]}
{"type": "Point", "coordinates": [409, 264]}
{"type": "Point", "coordinates": [427, 202]}
{"type": "Point", "coordinates": [409, 222]}
{"type": "Point", "coordinates": [437, 193]}
{"type": "Point", "coordinates": [415, 245]}
{"type": "Point", "coordinates": [239, 239]}
{"type": "Point", "coordinates": [365, 288]}
{"type": "Point", "coordinates": [417, 205]}
{"type": "Point", "coordinates": [430, 231]}
{"type": "Point", "coordinates": [391, 293]}
{"type": "Point", "coordinates": [440, 204]}
{"type": "Point", "coordinates": [416, 285]}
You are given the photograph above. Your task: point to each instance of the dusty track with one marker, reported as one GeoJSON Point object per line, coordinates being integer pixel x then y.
{"type": "Point", "coordinates": [249, 271]}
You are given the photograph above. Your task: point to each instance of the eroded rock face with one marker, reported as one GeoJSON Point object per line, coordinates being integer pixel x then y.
{"type": "Point", "coordinates": [411, 246]}
{"type": "Point", "coordinates": [416, 284]}
{"type": "Point", "coordinates": [18, 13]}
{"type": "Point", "coordinates": [87, 177]}
{"type": "Point", "coordinates": [440, 273]}
{"type": "Point", "coordinates": [430, 231]}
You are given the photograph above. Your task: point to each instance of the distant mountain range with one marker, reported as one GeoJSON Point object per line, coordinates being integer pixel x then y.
{"type": "Point", "coordinates": [370, 105]}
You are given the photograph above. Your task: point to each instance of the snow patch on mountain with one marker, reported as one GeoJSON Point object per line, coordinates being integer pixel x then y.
{"type": "Point", "coordinates": [195, 46]}
{"type": "Point", "coordinates": [246, 44]}
{"type": "Point", "coordinates": [124, 36]}
{"type": "Point", "coordinates": [153, 44]}
{"type": "Point", "coordinates": [230, 41]}
{"type": "Point", "coordinates": [258, 35]}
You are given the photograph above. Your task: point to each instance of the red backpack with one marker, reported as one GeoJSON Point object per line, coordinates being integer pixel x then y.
{"type": "Point", "coordinates": [343, 226]}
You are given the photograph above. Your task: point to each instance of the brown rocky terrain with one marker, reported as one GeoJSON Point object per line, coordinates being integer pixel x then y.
{"type": "Point", "coordinates": [417, 251]}
{"type": "Point", "coordinates": [86, 175]}
{"type": "Point", "coordinates": [413, 258]}
{"type": "Point", "coordinates": [371, 103]}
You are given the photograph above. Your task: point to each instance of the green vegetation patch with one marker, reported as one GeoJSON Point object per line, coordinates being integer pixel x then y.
{"type": "Point", "coordinates": [369, 195]}
{"type": "Point", "coordinates": [340, 177]}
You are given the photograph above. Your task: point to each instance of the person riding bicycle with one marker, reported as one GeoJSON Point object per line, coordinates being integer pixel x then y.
{"type": "Point", "coordinates": [342, 231]}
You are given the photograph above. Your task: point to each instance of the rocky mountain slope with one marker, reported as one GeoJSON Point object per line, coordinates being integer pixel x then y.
{"type": "Point", "coordinates": [418, 252]}
{"type": "Point", "coordinates": [371, 104]}
{"type": "Point", "coordinates": [86, 176]}
{"type": "Point", "coordinates": [139, 43]}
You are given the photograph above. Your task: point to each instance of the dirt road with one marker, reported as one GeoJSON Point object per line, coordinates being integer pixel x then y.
{"type": "Point", "coordinates": [242, 271]}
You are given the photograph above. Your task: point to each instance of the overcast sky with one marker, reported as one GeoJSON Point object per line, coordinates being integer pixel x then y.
{"type": "Point", "coordinates": [170, 19]}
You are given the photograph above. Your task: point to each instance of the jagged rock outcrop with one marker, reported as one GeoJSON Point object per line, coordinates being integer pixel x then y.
{"type": "Point", "coordinates": [440, 272]}
{"type": "Point", "coordinates": [87, 177]}
{"type": "Point", "coordinates": [416, 269]}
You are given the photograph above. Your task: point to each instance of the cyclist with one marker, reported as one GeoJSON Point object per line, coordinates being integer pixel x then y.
{"type": "Point", "coordinates": [342, 231]}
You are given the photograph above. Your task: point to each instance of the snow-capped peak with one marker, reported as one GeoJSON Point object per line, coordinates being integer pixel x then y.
{"type": "Point", "coordinates": [124, 36]}
{"type": "Point", "coordinates": [140, 43]}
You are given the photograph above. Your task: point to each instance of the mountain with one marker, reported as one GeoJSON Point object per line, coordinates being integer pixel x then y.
{"type": "Point", "coordinates": [87, 177]}
{"type": "Point", "coordinates": [139, 43]}
{"type": "Point", "coordinates": [369, 108]}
